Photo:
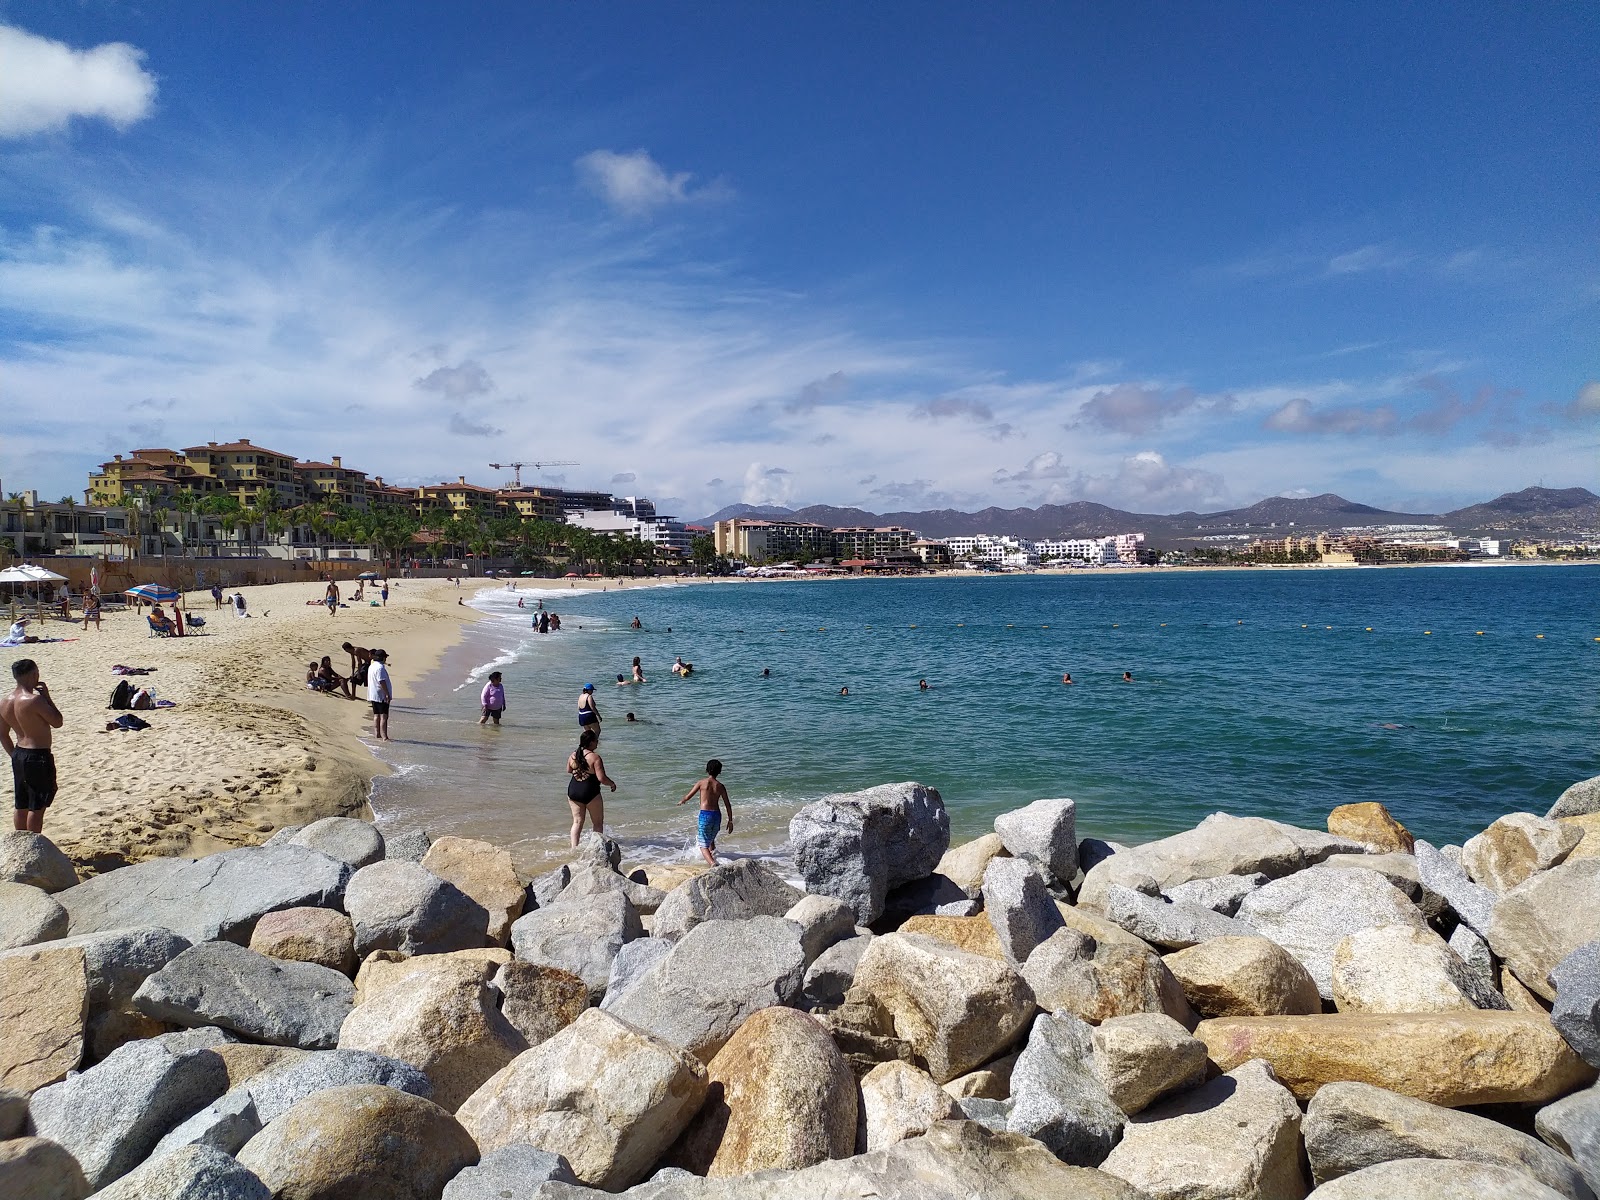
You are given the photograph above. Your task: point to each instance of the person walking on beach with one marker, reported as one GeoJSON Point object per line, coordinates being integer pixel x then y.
{"type": "Point", "coordinates": [588, 713]}
{"type": "Point", "coordinates": [493, 699]}
{"type": "Point", "coordinates": [713, 796]}
{"type": "Point", "coordinates": [27, 716]}
{"type": "Point", "coordinates": [385, 593]}
{"type": "Point", "coordinates": [588, 771]}
{"type": "Point", "coordinates": [91, 609]}
{"type": "Point", "coordinates": [380, 691]}
{"type": "Point", "coordinates": [331, 597]}
{"type": "Point", "coordinates": [216, 595]}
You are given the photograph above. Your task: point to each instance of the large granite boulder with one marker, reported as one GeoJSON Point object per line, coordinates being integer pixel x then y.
{"type": "Point", "coordinates": [112, 1115]}
{"type": "Point", "coordinates": [28, 915]}
{"type": "Point", "coordinates": [954, 1009]}
{"type": "Point", "coordinates": [44, 1007]}
{"type": "Point", "coordinates": [510, 1171]}
{"type": "Point", "coordinates": [1405, 968]}
{"type": "Point", "coordinates": [484, 872]}
{"type": "Point", "coordinates": [310, 935]}
{"type": "Point", "coordinates": [1238, 1135]}
{"type": "Point", "coordinates": [36, 1168]}
{"type": "Point", "coordinates": [857, 846]}
{"type": "Point", "coordinates": [355, 842]}
{"type": "Point", "coordinates": [225, 1125]}
{"type": "Point", "coordinates": [1142, 1057]}
{"type": "Point", "coordinates": [541, 1001]}
{"type": "Point", "coordinates": [1169, 924]}
{"type": "Point", "coordinates": [1221, 894]}
{"type": "Point", "coordinates": [965, 864]}
{"type": "Point", "coordinates": [403, 906]}
{"type": "Point", "coordinates": [1351, 1126]}
{"type": "Point", "coordinates": [360, 1143]}
{"type": "Point", "coordinates": [1455, 1059]}
{"type": "Point", "coordinates": [1578, 800]}
{"type": "Point", "coordinates": [1070, 972]}
{"type": "Point", "coordinates": [35, 860]}
{"type": "Point", "coordinates": [389, 968]}
{"type": "Point", "coordinates": [1372, 825]}
{"type": "Point", "coordinates": [899, 1101]}
{"type": "Point", "coordinates": [823, 922]}
{"type": "Point", "coordinates": [780, 1097]}
{"type": "Point", "coordinates": [714, 979]}
{"type": "Point", "coordinates": [581, 936]}
{"type": "Point", "coordinates": [1045, 834]}
{"type": "Point", "coordinates": [1515, 848]}
{"type": "Point", "coordinates": [1435, 1179]}
{"type": "Point", "coordinates": [445, 1022]}
{"type": "Point", "coordinates": [632, 963]}
{"type": "Point", "coordinates": [732, 891]}
{"type": "Point", "coordinates": [1310, 912]}
{"type": "Point", "coordinates": [221, 896]}
{"type": "Point", "coordinates": [976, 935]}
{"type": "Point", "coordinates": [263, 999]}
{"type": "Point", "coordinates": [608, 1097]}
{"type": "Point", "coordinates": [1058, 1096]}
{"type": "Point", "coordinates": [280, 1085]}
{"type": "Point", "coordinates": [1244, 977]}
{"type": "Point", "coordinates": [589, 878]}
{"type": "Point", "coordinates": [1019, 907]}
{"type": "Point", "coordinates": [189, 1173]}
{"type": "Point", "coordinates": [1538, 923]}
{"type": "Point", "coordinates": [1572, 1126]}
{"type": "Point", "coordinates": [832, 975]}
{"type": "Point", "coordinates": [1577, 1008]}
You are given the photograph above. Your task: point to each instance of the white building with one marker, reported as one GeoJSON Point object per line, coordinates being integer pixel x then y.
{"type": "Point", "coordinates": [1090, 551]}
{"type": "Point", "coordinates": [659, 531]}
{"type": "Point", "coordinates": [999, 550]}
{"type": "Point", "coordinates": [1486, 547]}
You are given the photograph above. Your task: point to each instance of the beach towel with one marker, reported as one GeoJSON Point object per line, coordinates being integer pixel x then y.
{"type": "Point", "coordinates": [129, 723]}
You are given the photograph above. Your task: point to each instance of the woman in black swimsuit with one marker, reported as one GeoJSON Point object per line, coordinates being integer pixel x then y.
{"type": "Point", "coordinates": [588, 773]}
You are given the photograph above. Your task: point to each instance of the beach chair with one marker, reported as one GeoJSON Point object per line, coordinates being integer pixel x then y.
{"type": "Point", "coordinates": [158, 629]}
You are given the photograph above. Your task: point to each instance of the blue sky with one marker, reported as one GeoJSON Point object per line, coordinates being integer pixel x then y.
{"type": "Point", "coordinates": [894, 255]}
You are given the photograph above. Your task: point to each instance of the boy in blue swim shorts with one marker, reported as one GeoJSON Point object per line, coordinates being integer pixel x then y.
{"type": "Point", "coordinates": [713, 797]}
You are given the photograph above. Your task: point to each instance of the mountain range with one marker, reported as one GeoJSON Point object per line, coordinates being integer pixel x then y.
{"type": "Point", "coordinates": [1534, 511]}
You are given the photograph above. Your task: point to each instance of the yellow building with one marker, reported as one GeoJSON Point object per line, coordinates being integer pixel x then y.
{"type": "Point", "coordinates": [246, 472]}
{"type": "Point", "coordinates": [529, 504]}
{"type": "Point", "coordinates": [333, 482]}
{"type": "Point", "coordinates": [457, 497]}
{"type": "Point", "coordinates": [162, 472]}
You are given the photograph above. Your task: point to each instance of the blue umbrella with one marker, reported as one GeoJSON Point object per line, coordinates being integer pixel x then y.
{"type": "Point", "coordinates": [156, 593]}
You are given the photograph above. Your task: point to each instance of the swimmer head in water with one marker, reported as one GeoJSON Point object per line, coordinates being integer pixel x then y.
{"type": "Point", "coordinates": [1127, 677]}
{"type": "Point", "coordinates": [1067, 678]}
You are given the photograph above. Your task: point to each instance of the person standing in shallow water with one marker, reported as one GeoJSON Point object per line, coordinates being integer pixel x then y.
{"type": "Point", "coordinates": [588, 774]}
{"type": "Point", "coordinates": [713, 797]}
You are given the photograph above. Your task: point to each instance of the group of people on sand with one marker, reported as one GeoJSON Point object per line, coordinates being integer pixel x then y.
{"type": "Point", "coordinates": [368, 669]}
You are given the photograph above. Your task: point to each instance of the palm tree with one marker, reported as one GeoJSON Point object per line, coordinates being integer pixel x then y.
{"type": "Point", "coordinates": [19, 502]}
{"type": "Point", "coordinates": [72, 512]}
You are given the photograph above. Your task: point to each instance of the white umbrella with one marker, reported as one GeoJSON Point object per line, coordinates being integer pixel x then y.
{"type": "Point", "coordinates": [42, 574]}
{"type": "Point", "coordinates": [16, 575]}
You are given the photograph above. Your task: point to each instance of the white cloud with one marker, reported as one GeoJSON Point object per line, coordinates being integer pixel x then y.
{"type": "Point", "coordinates": [44, 84]}
{"type": "Point", "coordinates": [468, 379]}
{"type": "Point", "coordinates": [1048, 465]}
{"type": "Point", "coordinates": [1369, 258]}
{"type": "Point", "coordinates": [635, 184]}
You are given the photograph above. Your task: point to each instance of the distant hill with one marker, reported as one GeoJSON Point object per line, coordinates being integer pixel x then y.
{"type": "Point", "coordinates": [1537, 511]}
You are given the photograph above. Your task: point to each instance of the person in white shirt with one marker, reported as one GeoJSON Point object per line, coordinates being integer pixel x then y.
{"type": "Point", "coordinates": [380, 691]}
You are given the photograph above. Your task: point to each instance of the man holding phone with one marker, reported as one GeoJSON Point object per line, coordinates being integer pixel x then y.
{"type": "Point", "coordinates": [27, 716]}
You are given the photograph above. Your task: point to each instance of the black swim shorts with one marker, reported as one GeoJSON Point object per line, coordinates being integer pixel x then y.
{"type": "Point", "coordinates": [33, 776]}
{"type": "Point", "coordinates": [380, 708]}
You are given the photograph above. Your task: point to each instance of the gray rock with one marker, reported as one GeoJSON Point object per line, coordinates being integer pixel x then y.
{"type": "Point", "coordinates": [1541, 921]}
{"type": "Point", "coordinates": [1018, 906]}
{"type": "Point", "coordinates": [581, 936]}
{"type": "Point", "coordinates": [1221, 894]}
{"type": "Point", "coordinates": [1572, 1126]}
{"type": "Point", "coordinates": [932, 895]}
{"type": "Point", "coordinates": [1398, 867]}
{"type": "Point", "coordinates": [265, 999]}
{"type": "Point", "coordinates": [1351, 1126]}
{"type": "Point", "coordinates": [35, 860]}
{"type": "Point", "coordinates": [991, 1114]}
{"type": "Point", "coordinates": [283, 835]}
{"type": "Point", "coordinates": [226, 1126]}
{"type": "Point", "coordinates": [830, 977]}
{"type": "Point", "coordinates": [112, 1115]}
{"type": "Point", "coordinates": [355, 842]}
{"type": "Point", "coordinates": [217, 897]}
{"type": "Point", "coordinates": [1044, 833]}
{"type": "Point", "coordinates": [715, 977]}
{"type": "Point", "coordinates": [823, 921]}
{"type": "Point", "coordinates": [959, 908]}
{"type": "Point", "coordinates": [858, 846]}
{"type": "Point", "coordinates": [1474, 952]}
{"type": "Point", "coordinates": [191, 1173]}
{"type": "Point", "coordinates": [1057, 1096]}
{"type": "Point", "coordinates": [543, 890]}
{"type": "Point", "coordinates": [1310, 912]}
{"type": "Point", "coordinates": [401, 906]}
{"type": "Point", "coordinates": [1171, 925]}
{"type": "Point", "coordinates": [1094, 851]}
{"type": "Point", "coordinates": [28, 915]}
{"type": "Point", "coordinates": [13, 1113]}
{"type": "Point", "coordinates": [1473, 903]}
{"type": "Point", "coordinates": [412, 845]}
{"type": "Point", "coordinates": [279, 1088]}
{"type": "Point", "coordinates": [730, 892]}
{"type": "Point", "coordinates": [1435, 1179]}
{"type": "Point", "coordinates": [632, 963]}
{"type": "Point", "coordinates": [587, 879]}
{"type": "Point", "coordinates": [1578, 800]}
{"type": "Point", "coordinates": [1577, 1008]}
{"type": "Point", "coordinates": [510, 1172]}
{"type": "Point", "coordinates": [598, 851]}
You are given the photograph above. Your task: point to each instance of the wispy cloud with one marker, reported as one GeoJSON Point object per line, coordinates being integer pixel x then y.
{"type": "Point", "coordinates": [455, 383]}
{"type": "Point", "coordinates": [44, 84]}
{"type": "Point", "coordinates": [464, 426]}
{"type": "Point", "coordinates": [1369, 258]}
{"type": "Point", "coordinates": [636, 185]}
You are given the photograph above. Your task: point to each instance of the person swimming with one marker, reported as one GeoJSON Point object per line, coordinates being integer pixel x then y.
{"type": "Point", "coordinates": [922, 685]}
{"type": "Point", "coordinates": [1067, 677]}
{"type": "Point", "coordinates": [631, 719]}
{"type": "Point", "coordinates": [766, 672]}
{"type": "Point", "coordinates": [1127, 677]}
{"type": "Point", "coordinates": [636, 624]}
{"type": "Point", "coordinates": [844, 691]}
{"type": "Point", "coordinates": [638, 670]}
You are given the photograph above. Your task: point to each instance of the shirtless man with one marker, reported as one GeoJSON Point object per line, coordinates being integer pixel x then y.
{"type": "Point", "coordinates": [359, 655]}
{"type": "Point", "coordinates": [27, 716]}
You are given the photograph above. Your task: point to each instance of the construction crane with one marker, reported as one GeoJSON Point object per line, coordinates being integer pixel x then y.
{"type": "Point", "coordinates": [516, 467]}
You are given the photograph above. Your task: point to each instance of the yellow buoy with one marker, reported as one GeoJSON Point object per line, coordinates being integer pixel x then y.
{"type": "Point", "coordinates": [1113, 625]}
{"type": "Point", "coordinates": [1480, 633]}
{"type": "Point", "coordinates": [1305, 627]}
{"type": "Point", "coordinates": [1010, 626]}
{"type": "Point", "coordinates": [1327, 626]}
{"type": "Point", "coordinates": [910, 626]}
{"type": "Point", "coordinates": [1163, 624]}
{"type": "Point", "coordinates": [1427, 632]}
{"type": "Point", "coordinates": [1044, 627]}
{"type": "Point", "coordinates": [1369, 628]}
{"type": "Point", "coordinates": [1538, 635]}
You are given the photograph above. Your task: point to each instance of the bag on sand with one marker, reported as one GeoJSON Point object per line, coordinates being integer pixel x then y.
{"type": "Point", "coordinates": [122, 695]}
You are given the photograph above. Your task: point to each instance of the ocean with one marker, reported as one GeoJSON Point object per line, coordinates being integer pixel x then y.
{"type": "Point", "coordinates": [1452, 695]}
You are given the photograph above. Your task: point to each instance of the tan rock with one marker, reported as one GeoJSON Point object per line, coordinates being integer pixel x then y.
{"type": "Point", "coordinates": [384, 968]}
{"type": "Point", "coordinates": [1435, 1179]}
{"type": "Point", "coordinates": [1075, 916]}
{"type": "Point", "coordinates": [1117, 979]}
{"type": "Point", "coordinates": [955, 1009]}
{"type": "Point", "coordinates": [1453, 1059]}
{"type": "Point", "coordinates": [44, 1002]}
{"type": "Point", "coordinates": [1589, 826]}
{"type": "Point", "coordinates": [975, 935]}
{"type": "Point", "coordinates": [313, 935]}
{"type": "Point", "coordinates": [992, 1081]}
{"type": "Point", "coordinates": [540, 1001]}
{"type": "Point", "coordinates": [445, 1021]}
{"type": "Point", "coordinates": [898, 1101]}
{"type": "Point", "coordinates": [34, 1168]}
{"type": "Point", "coordinates": [360, 1143]}
{"type": "Point", "coordinates": [1244, 977]}
{"type": "Point", "coordinates": [1402, 969]}
{"type": "Point", "coordinates": [246, 1060]}
{"type": "Point", "coordinates": [965, 864]}
{"type": "Point", "coordinates": [1546, 918]}
{"type": "Point", "coordinates": [607, 1097]}
{"type": "Point", "coordinates": [1371, 823]}
{"type": "Point", "coordinates": [484, 872]}
{"type": "Point", "coordinates": [667, 878]}
{"type": "Point", "coordinates": [1142, 1057]}
{"type": "Point", "coordinates": [1518, 996]}
{"type": "Point", "coordinates": [780, 1097]}
{"type": "Point", "coordinates": [1515, 848]}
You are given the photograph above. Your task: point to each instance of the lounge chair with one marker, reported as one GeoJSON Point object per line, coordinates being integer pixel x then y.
{"type": "Point", "coordinates": [160, 628]}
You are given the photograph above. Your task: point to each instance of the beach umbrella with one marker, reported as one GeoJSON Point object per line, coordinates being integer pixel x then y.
{"type": "Point", "coordinates": [572, 575]}
{"type": "Point", "coordinates": [28, 573]}
{"type": "Point", "coordinates": [16, 575]}
{"type": "Point", "coordinates": [156, 593]}
{"type": "Point", "coordinates": [527, 572]}
{"type": "Point", "coordinates": [369, 575]}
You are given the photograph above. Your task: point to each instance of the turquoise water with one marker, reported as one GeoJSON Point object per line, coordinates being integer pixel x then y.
{"type": "Point", "coordinates": [1258, 692]}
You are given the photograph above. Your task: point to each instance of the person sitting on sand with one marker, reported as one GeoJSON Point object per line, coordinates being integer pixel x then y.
{"type": "Point", "coordinates": [588, 773]}
{"type": "Point", "coordinates": [239, 605]}
{"type": "Point", "coordinates": [638, 671]}
{"type": "Point", "coordinates": [19, 631]}
{"type": "Point", "coordinates": [314, 679]}
{"type": "Point", "coordinates": [713, 796]}
{"type": "Point", "coordinates": [334, 681]}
